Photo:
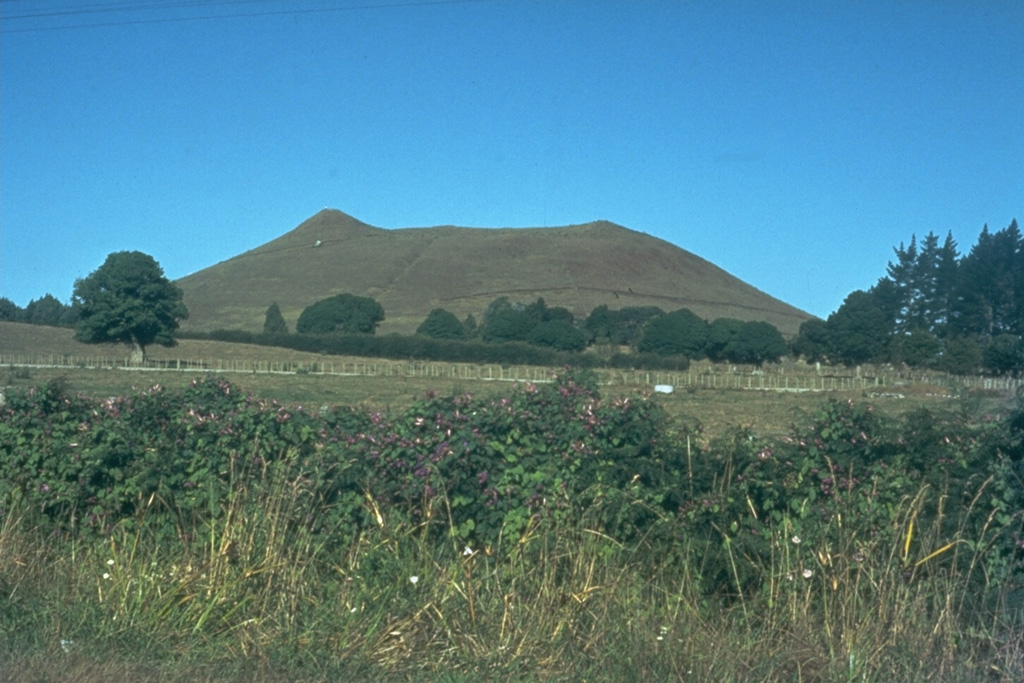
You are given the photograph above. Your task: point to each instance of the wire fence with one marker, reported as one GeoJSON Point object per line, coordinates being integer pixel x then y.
{"type": "Point", "coordinates": [700, 375]}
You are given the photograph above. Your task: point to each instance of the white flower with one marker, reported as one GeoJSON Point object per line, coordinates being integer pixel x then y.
{"type": "Point", "coordinates": [796, 540]}
{"type": "Point", "coordinates": [808, 573]}
{"type": "Point", "coordinates": [110, 563]}
{"type": "Point", "coordinates": [467, 552]}
{"type": "Point", "coordinates": [66, 644]}
{"type": "Point", "coordinates": [106, 575]}
{"type": "Point", "coordinates": [414, 580]}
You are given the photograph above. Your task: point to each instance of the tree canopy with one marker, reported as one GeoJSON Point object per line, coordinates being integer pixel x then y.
{"type": "Point", "coordinates": [345, 313]}
{"type": "Point", "coordinates": [128, 300]}
{"type": "Point", "coordinates": [680, 332]}
{"type": "Point", "coordinates": [934, 308]}
{"type": "Point", "coordinates": [755, 342]}
{"type": "Point", "coordinates": [621, 326]}
{"type": "Point", "coordinates": [274, 322]}
{"type": "Point", "coordinates": [441, 324]}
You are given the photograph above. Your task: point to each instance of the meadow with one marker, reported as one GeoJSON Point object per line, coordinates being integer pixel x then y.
{"type": "Point", "coordinates": [168, 526]}
{"type": "Point", "coordinates": [768, 412]}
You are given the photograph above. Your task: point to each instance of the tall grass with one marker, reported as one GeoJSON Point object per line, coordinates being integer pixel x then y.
{"type": "Point", "coordinates": [257, 595]}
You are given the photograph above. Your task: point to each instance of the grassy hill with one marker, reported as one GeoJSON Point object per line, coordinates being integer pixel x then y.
{"type": "Point", "coordinates": [413, 270]}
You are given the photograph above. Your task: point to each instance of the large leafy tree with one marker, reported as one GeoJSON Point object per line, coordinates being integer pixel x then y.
{"type": "Point", "coordinates": [814, 342]}
{"type": "Point", "coordinates": [508, 324]}
{"type": "Point", "coordinates": [622, 326]}
{"type": "Point", "coordinates": [756, 342]}
{"type": "Point", "coordinates": [859, 330]}
{"type": "Point", "coordinates": [720, 333]}
{"type": "Point", "coordinates": [128, 300]}
{"type": "Point", "coordinates": [558, 334]}
{"type": "Point", "coordinates": [345, 313]}
{"type": "Point", "coordinates": [680, 332]}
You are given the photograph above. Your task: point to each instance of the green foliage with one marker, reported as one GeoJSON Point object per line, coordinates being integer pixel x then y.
{"type": "Point", "coordinates": [507, 325]}
{"type": "Point", "coordinates": [501, 468]}
{"type": "Point", "coordinates": [918, 347]}
{"type": "Point", "coordinates": [859, 331]}
{"type": "Point", "coordinates": [551, 517]}
{"type": "Point", "coordinates": [737, 341]}
{"type": "Point", "coordinates": [535, 324]}
{"type": "Point", "coordinates": [813, 342]}
{"type": "Point", "coordinates": [960, 356]}
{"type": "Point", "coordinates": [756, 342]}
{"type": "Point", "coordinates": [274, 322]}
{"type": "Point", "coordinates": [623, 326]}
{"type": "Point", "coordinates": [441, 324]}
{"type": "Point", "coordinates": [1004, 355]}
{"type": "Point", "coordinates": [558, 334]}
{"type": "Point", "coordinates": [128, 300]}
{"type": "Point", "coordinates": [990, 285]}
{"type": "Point", "coordinates": [9, 310]}
{"type": "Point", "coordinates": [721, 332]}
{"type": "Point", "coordinates": [932, 303]}
{"type": "Point", "coordinates": [344, 313]}
{"type": "Point", "coordinates": [444, 350]}
{"type": "Point", "coordinates": [470, 327]}
{"type": "Point", "coordinates": [681, 332]}
{"type": "Point", "coordinates": [48, 310]}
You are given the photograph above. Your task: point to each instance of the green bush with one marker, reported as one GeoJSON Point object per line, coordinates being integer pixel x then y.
{"type": "Point", "coordinates": [681, 332]}
{"type": "Point", "coordinates": [345, 313]}
{"type": "Point", "coordinates": [441, 324]}
{"type": "Point", "coordinates": [489, 472]}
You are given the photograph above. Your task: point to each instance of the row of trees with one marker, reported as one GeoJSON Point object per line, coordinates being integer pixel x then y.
{"type": "Point", "coordinates": [646, 330]}
{"type": "Point", "coordinates": [46, 310]}
{"type": "Point", "coordinates": [933, 308]}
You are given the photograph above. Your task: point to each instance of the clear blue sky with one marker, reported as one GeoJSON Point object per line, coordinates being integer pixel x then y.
{"type": "Point", "coordinates": [791, 143]}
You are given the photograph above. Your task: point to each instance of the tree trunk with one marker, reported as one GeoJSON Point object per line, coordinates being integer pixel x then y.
{"type": "Point", "coordinates": [138, 354]}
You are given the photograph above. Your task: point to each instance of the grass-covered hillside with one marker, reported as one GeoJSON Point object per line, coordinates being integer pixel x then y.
{"type": "Point", "coordinates": [412, 271]}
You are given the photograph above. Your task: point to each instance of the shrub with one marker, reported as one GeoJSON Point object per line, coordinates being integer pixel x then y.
{"type": "Point", "coordinates": [441, 324]}
{"type": "Point", "coordinates": [681, 332]}
{"type": "Point", "coordinates": [345, 313]}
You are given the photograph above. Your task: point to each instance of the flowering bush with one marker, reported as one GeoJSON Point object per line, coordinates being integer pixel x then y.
{"type": "Point", "coordinates": [847, 482]}
{"type": "Point", "coordinates": [850, 484]}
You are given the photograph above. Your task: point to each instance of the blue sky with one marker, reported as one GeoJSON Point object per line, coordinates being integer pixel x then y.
{"type": "Point", "coordinates": [793, 144]}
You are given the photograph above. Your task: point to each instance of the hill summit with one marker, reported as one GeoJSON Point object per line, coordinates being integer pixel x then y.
{"type": "Point", "coordinates": [411, 271]}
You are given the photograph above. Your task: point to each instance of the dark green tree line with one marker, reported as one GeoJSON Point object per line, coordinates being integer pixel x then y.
{"type": "Point", "coordinates": [933, 308]}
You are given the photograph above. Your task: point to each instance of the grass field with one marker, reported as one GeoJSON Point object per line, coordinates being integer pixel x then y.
{"type": "Point", "coordinates": [253, 600]}
{"type": "Point", "coordinates": [768, 412]}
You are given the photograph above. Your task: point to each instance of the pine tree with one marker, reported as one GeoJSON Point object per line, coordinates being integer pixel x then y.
{"type": "Point", "coordinates": [274, 322]}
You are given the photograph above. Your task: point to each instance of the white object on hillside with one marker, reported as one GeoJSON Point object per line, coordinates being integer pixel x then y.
{"type": "Point", "coordinates": [663, 388]}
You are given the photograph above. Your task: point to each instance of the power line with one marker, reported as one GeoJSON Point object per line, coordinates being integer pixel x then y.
{"type": "Point", "coordinates": [207, 3]}
{"type": "Point", "coordinates": [77, 10]}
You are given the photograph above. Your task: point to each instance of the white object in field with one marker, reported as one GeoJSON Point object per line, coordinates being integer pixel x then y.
{"type": "Point", "coordinates": [663, 388]}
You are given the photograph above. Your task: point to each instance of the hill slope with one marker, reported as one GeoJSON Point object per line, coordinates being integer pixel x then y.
{"type": "Point", "coordinates": [413, 270]}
